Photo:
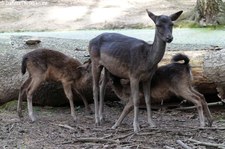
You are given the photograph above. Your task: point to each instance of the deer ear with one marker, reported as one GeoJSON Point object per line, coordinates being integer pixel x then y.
{"type": "Point", "coordinates": [175, 15]}
{"type": "Point", "coordinates": [151, 15]}
{"type": "Point", "coordinates": [85, 66]}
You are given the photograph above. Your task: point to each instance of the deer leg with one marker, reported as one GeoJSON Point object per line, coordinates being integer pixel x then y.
{"type": "Point", "coordinates": [190, 96]}
{"type": "Point", "coordinates": [35, 83]}
{"type": "Point", "coordinates": [87, 107]}
{"type": "Point", "coordinates": [96, 72]}
{"type": "Point", "coordinates": [146, 90]}
{"type": "Point", "coordinates": [69, 94]}
{"type": "Point", "coordinates": [21, 94]}
{"type": "Point", "coordinates": [124, 113]}
{"type": "Point", "coordinates": [104, 81]}
{"type": "Point", "coordinates": [205, 106]}
{"type": "Point", "coordinates": [134, 84]}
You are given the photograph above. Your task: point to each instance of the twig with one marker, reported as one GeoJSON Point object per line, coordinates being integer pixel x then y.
{"type": "Point", "coordinates": [11, 127]}
{"type": "Point", "coordinates": [101, 129]}
{"type": "Point", "coordinates": [97, 140]}
{"type": "Point", "coordinates": [10, 132]}
{"type": "Point", "coordinates": [183, 144]}
{"type": "Point", "coordinates": [146, 133]}
{"type": "Point", "coordinates": [222, 146]}
{"type": "Point", "coordinates": [214, 128]}
{"type": "Point", "coordinates": [123, 130]}
{"type": "Point", "coordinates": [193, 107]}
{"type": "Point", "coordinates": [108, 136]}
{"type": "Point", "coordinates": [205, 128]}
{"type": "Point", "coordinates": [81, 128]}
{"type": "Point", "coordinates": [123, 136]}
{"type": "Point", "coordinates": [65, 126]}
{"type": "Point", "coordinates": [168, 147]}
{"type": "Point", "coordinates": [131, 136]}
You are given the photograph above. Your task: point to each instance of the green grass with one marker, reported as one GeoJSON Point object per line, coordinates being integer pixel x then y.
{"type": "Point", "coordinates": [9, 106]}
{"type": "Point", "coordinates": [192, 24]}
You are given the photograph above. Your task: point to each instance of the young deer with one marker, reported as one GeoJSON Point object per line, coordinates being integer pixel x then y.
{"type": "Point", "coordinates": [132, 59]}
{"type": "Point", "coordinates": [44, 65]}
{"type": "Point", "coordinates": [172, 79]}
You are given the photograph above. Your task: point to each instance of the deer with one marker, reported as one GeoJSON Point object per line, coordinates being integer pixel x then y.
{"type": "Point", "coordinates": [169, 80]}
{"type": "Point", "coordinates": [129, 58]}
{"type": "Point", "coordinates": [50, 65]}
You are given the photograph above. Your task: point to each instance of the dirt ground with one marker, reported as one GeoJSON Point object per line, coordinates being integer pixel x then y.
{"type": "Point", "coordinates": [55, 128]}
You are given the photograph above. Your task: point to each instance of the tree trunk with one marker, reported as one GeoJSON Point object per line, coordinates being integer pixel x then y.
{"type": "Point", "coordinates": [208, 12]}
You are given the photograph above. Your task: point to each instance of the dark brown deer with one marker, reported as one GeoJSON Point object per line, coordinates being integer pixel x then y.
{"type": "Point", "coordinates": [132, 59]}
{"type": "Point", "coordinates": [168, 80]}
{"type": "Point", "coordinates": [46, 64]}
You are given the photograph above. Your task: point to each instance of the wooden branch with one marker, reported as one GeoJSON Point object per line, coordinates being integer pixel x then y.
{"type": "Point", "coordinates": [97, 140]}
{"type": "Point", "coordinates": [168, 147]}
{"type": "Point", "coordinates": [194, 107]}
{"type": "Point", "coordinates": [65, 126]}
{"type": "Point", "coordinates": [123, 136]}
{"type": "Point", "coordinates": [222, 146]}
{"type": "Point", "coordinates": [108, 136]}
{"type": "Point", "coordinates": [145, 133]}
{"type": "Point", "coordinates": [183, 144]}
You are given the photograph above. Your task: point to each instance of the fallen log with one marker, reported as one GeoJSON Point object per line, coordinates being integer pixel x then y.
{"type": "Point", "coordinates": [208, 67]}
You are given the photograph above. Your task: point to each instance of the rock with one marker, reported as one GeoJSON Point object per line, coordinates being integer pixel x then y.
{"type": "Point", "coordinates": [32, 41]}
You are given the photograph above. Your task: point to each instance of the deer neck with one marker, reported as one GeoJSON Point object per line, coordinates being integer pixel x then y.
{"type": "Point", "coordinates": [158, 49]}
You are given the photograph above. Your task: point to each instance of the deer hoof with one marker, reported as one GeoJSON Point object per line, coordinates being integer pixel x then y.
{"type": "Point", "coordinates": [210, 122]}
{"type": "Point", "coordinates": [114, 126]}
{"type": "Point", "coordinates": [152, 124]}
{"type": "Point", "coordinates": [136, 128]}
{"type": "Point", "coordinates": [20, 115]}
{"type": "Point", "coordinates": [89, 112]}
{"type": "Point", "coordinates": [33, 119]}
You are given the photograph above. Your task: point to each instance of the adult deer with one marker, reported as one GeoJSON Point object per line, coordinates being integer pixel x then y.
{"type": "Point", "coordinates": [174, 79]}
{"type": "Point", "coordinates": [132, 59]}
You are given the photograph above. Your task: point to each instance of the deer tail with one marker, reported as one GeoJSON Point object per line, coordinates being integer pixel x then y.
{"type": "Point", "coordinates": [180, 57]}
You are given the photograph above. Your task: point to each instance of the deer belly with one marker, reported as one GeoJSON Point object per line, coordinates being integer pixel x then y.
{"type": "Point", "coordinates": [115, 66]}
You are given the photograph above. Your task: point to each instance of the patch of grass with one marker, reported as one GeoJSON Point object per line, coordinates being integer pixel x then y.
{"type": "Point", "coordinates": [139, 26]}
{"type": "Point", "coordinates": [9, 106]}
{"type": "Point", "coordinates": [192, 24]}
{"type": "Point", "coordinates": [187, 24]}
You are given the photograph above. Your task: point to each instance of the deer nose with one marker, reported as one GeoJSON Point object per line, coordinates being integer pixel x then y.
{"type": "Point", "coordinates": [169, 38]}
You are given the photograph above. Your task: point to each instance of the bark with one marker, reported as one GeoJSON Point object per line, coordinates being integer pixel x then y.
{"type": "Point", "coordinates": [214, 70]}
{"type": "Point", "coordinates": [208, 12]}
